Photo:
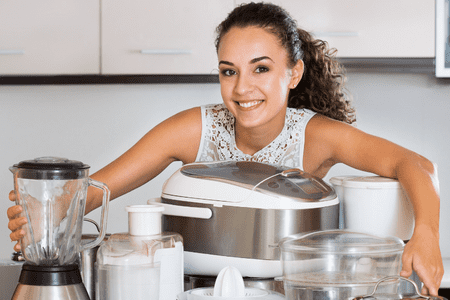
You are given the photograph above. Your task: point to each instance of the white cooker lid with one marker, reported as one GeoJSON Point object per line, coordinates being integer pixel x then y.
{"type": "Point", "coordinates": [370, 182]}
{"type": "Point", "coordinates": [248, 184]}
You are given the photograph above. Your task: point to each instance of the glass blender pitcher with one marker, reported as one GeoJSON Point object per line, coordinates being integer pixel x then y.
{"type": "Point", "coordinates": [52, 192]}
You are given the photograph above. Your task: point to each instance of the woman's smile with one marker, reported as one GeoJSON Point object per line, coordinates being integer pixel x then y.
{"type": "Point", "coordinates": [249, 104]}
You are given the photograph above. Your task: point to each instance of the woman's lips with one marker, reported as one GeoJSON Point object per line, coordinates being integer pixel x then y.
{"type": "Point", "coordinates": [249, 104]}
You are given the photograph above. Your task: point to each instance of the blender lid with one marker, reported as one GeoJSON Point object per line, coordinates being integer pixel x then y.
{"type": "Point", "coordinates": [266, 178]}
{"type": "Point", "coordinates": [51, 168]}
{"type": "Point", "coordinates": [340, 242]}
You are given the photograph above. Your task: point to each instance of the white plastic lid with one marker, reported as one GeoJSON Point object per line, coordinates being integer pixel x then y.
{"type": "Point", "coordinates": [371, 182]}
{"type": "Point", "coordinates": [144, 220]}
{"type": "Point", "coordinates": [339, 180]}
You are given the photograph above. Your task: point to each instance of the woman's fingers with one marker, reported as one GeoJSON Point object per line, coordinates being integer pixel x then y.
{"type": "Point", "coordinates": [13, 211]}
{"type": "Point", "coordinates": [12, 196]}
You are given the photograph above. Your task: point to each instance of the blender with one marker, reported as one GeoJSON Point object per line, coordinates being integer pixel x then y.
{"type": "Point", "coordinates": [52, 192]}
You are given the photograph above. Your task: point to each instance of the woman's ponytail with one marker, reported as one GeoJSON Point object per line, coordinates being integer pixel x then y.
{"type": "Point", "coordinates": [322, 86]}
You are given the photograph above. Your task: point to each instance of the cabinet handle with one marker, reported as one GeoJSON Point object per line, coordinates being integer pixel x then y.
{"type": "Point", "coordinates": [9, 52]}
{"type": "Point", "coordinates": [166, 51]}
{"type": "Point", "coordinates": [336, 33]}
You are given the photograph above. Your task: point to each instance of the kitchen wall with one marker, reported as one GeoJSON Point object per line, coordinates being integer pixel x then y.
{"type": "Point", "coordinates": [97, 123]}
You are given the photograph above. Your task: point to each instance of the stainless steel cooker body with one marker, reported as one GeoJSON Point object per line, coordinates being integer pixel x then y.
{"type": "Point", "coordinates": [246, 232]}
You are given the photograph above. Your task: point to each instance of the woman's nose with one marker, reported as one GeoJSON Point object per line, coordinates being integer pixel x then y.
{"type": "Point", "coordinates": [243, 85]}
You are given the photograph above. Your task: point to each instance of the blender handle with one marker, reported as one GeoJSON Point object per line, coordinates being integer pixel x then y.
{"type": "Point", "coordinates": [104, 215]}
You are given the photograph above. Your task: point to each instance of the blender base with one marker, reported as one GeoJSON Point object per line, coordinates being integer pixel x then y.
{"type": "Point", "coordinates": [50, 282]}
{"type": "Point", "coordinates": [68, 292]}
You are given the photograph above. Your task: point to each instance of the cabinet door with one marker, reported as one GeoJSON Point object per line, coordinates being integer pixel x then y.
{"type": "Point", "coordinates": [367, 28]}
{"type": "Point", "coordinates": [160, 37]}
{"type": "Point", "coordinates": [49, 37]}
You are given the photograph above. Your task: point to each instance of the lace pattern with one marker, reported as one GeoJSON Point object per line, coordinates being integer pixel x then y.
{"type": "Point", "coordinates": [218, 139]}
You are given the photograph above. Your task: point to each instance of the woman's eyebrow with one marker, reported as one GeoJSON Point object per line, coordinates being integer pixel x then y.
{"type": "Point", "coordinates": [255, 60]}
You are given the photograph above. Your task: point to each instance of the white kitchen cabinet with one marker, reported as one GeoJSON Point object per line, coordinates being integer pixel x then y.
{"type": "Point", "coordinates": [367, 28]}
{"type": "Point", "coordinates": [160, 37]}
{"type": "Point", "coordinates": [49, 37]}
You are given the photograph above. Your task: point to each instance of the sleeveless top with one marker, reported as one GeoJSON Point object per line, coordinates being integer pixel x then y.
{"type": "Point", "coordinates": [218, 138]}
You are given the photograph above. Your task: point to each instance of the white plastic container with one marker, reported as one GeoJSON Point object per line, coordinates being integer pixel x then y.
{"type": "Point", "coordinates": [143, 263]}
{"type": "Point", "coordinates": [229, 285]}
{"type": "Point", "coordinates": [374, 205]}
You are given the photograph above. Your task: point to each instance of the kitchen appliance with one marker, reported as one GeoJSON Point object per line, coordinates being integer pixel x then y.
{"type": "Point", "coordinates": [202, 281]}
{"type": "Point", "coordinates": [375, 294]}
{"type": "Point", "coordinates": [233, 213]}
{"type": "Point", "coordinates": [338, 264]}
{"type": "Point", "coordinates": [229, 285]}
{"type": "Point", "coordinates": [374, 205]}
{"type": "Point", "coordinates": [143, 263]}
{"type": "Point", "coordinates": [52, 192]}
{"type": "Point", "coordinates": [87, 259]}
{"type": "Point", "coordinates": [442, 38]}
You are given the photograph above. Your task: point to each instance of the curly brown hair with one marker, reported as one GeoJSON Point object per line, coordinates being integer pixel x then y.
{"type": "Point", "coordinates": [322, 88]}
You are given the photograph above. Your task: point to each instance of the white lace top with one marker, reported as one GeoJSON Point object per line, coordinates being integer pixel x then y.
{"type": "Point", "coordinates": [218, 139]}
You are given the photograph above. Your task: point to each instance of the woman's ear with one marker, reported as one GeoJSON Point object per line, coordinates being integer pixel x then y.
{"type": "Point", "coordinates": [297, 74]}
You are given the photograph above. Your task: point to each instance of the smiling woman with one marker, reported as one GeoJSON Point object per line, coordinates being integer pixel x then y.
{"type": "Point", "coordinates": [283, 104]}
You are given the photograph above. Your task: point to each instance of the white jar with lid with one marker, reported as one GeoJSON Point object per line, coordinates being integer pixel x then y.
{"type": "Point", "coordinates": [375, 205]}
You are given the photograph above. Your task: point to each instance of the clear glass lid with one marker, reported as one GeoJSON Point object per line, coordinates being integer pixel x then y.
{"type": "Point", "coordinates": [340, 242]}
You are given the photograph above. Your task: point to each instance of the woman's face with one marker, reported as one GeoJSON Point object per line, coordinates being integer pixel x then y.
{"type": "Point", "coordinates": [254, 76]}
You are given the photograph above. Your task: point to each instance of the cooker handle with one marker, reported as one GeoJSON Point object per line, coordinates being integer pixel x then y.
{"type": "Point", "coordinates": [183, 211]}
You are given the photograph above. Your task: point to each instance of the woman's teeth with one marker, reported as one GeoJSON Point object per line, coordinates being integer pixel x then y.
{"type": "Point", "coordinates": [249, 104]}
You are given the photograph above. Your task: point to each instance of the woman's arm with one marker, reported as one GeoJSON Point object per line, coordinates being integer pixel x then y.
{"type": "Point", "coordinates": [175, 139]}
{"type": "Point", "coordinates": [335, 141]}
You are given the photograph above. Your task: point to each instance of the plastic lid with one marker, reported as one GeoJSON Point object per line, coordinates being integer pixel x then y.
{"type": "Point", "coordinates": [341, 242]}
{"type": "Point", "coordinates": [266, 178]}
{"type": "Point", "coordinates": [371, 182]}
{"type": "Point", "coordinates": [339, 180]}
{"type": "Point", "coordinates": [144, 220]}
{"type": "Point", "coordinates": [51, 168]}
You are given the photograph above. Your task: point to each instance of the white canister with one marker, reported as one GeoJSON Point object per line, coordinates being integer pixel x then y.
{"type": "Point", "coordinates": [375, 205]}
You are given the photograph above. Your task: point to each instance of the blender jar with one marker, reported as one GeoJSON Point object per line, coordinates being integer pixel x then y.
{"type": "Point", "coordinates": [52, 192]}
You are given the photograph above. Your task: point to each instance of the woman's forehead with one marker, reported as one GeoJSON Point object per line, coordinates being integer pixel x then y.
{"type": "Point", "coordinates": [249, 41]}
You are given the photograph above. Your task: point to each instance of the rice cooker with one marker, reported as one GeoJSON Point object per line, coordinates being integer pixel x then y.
{"type": "Point", "coordinates": [235, 213]}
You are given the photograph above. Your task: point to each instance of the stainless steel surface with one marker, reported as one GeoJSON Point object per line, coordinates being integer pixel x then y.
{"type": "Point", "coordinates": [246, 232]}
{"type": "Point", "coordinates": [67, 292]}
{"type": "Point", "coordinates": [197, 281]}
{"type": "Point", "coordinates": [87, 258]}
{"type": "Point", "coordinates": [86, 262]}
{"type": "Point", "coordinates": [331, 292]}
{"type": "Point", "coordinates": [406, 288]}
{"type": "Point", "coordinates": [375, 293]}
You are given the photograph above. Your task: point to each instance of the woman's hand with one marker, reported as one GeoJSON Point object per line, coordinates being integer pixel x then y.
{"type": "Point", "coordinates": [15, 222]}
{"type": "Point", "coordinates": [422, 254]}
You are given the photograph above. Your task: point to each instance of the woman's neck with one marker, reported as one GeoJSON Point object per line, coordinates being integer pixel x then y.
{"type": "Point", "coordinates": [251, 140]}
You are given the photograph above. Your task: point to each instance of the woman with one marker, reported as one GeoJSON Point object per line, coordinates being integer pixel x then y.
{"type": "Point", "coordinates": [284, 103]}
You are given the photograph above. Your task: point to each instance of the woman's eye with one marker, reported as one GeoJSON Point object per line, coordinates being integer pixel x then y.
{"type": "Point", "coordinates": [261, 69]}
{"type": "Point", "coordinates": [228, 72]}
